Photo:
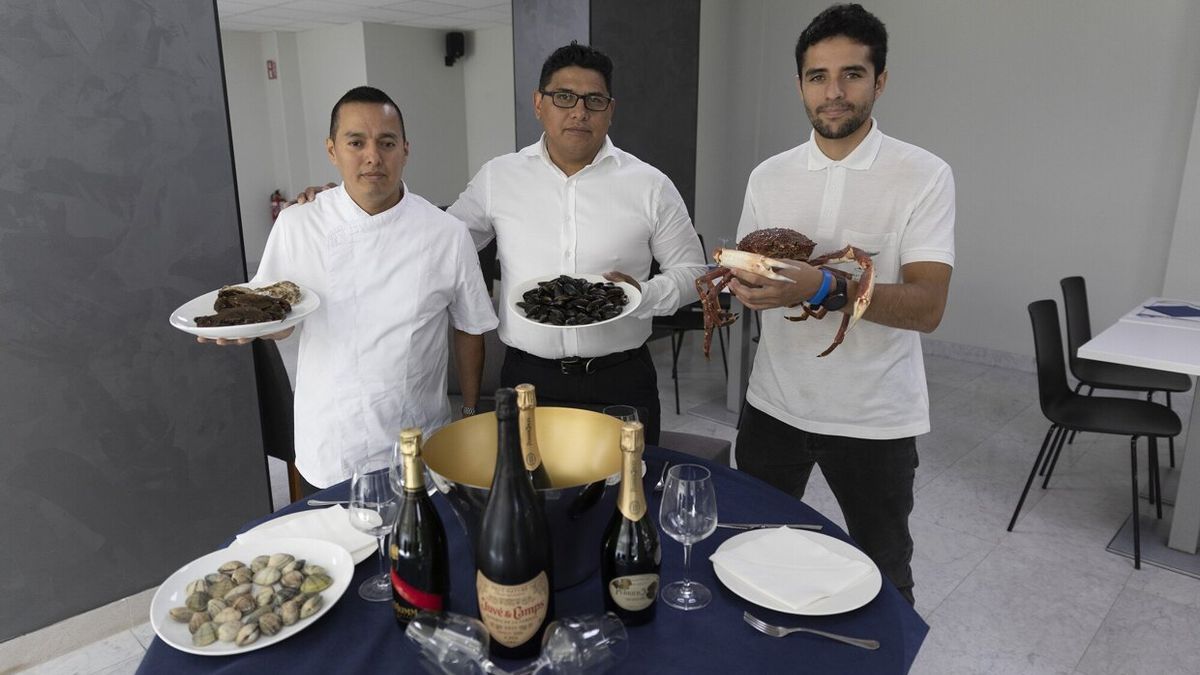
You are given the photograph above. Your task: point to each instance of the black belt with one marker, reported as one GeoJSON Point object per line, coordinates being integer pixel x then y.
{"type": "Point", "coordinates": [580, 365]}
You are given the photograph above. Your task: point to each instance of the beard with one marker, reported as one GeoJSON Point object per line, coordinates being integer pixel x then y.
{"type": "Point", "coordinates": [845, 127]}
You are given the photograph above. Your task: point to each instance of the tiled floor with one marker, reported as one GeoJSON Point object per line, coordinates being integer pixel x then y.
{"type": "Point", "coordinates": [1046, 598]}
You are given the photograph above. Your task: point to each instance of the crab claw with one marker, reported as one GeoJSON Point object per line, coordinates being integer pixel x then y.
{"type": "Point", "coordinates": [753, 262]}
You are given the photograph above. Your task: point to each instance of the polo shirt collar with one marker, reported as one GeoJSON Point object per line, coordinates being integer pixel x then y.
{"type": "Point", "coordinates": [860, 159]}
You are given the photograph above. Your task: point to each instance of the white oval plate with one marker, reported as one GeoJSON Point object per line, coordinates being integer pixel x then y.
{"type": "Point", "coordinates": [851, 598]}
{"type": "Point", "coordinates": [173, 591]}
{"type": "Point", "coordinates": [633, 294]}
{"type": "Point", "coordinates": [184, 318]}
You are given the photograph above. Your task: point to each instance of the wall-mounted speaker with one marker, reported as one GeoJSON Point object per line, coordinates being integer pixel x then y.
{"type": "Point", "coordinates": [456, 46]}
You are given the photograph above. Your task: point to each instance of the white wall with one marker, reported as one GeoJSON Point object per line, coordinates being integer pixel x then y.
{"type": "Point", "coordinates": [245, 80]}
{"type": "Point", "coordinates": [408, 64]}
{"type": "Point", "coordinates": [1066, 123]}
{"type": "Point", "coordinates": [331, 62]}
{"type": "Point", "coordinates": [285, 114]}
{"type": "Point", "coordinates": [488, 85]}
{"type": "Point", "coordinates": [1183, 274]}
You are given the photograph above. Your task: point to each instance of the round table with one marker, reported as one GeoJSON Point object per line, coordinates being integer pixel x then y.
{"type": "Point", "coordinates": [356, 636]}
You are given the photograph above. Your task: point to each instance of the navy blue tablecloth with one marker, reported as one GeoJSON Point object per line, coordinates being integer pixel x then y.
{"type": "Point", "coordinates": [356, 636]}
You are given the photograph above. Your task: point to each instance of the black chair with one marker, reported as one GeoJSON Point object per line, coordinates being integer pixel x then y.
{"type": "Point", "coordinates": [1069, 411]}
{"type": "Point", "coordinates": [276, 413]}
{"type": "Point", "coordinates": [1114, 376]}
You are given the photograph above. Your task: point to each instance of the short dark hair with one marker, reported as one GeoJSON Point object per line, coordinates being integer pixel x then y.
{"type": "Point", "coordinates": [363, 95]}
{"type": "Point", "coordinates": [851, 21]}
{"type": "Point", "coordinates": [583, 56]}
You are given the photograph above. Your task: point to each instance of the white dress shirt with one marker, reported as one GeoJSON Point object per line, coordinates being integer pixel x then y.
{"type": "Point", "coordinates": [373, 356]}
{"type": "Point", "coordinates": [618, 213]}
{"type": "Point", "coordinates": [887, 197]}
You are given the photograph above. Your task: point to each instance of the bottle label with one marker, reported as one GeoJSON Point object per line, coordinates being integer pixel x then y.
{"type": "Point", "coordinates": [513, 614]}
{"type": "Point", "coordinates": [630, 500]}
{"type": "Point", "coordinates": [416, 598]}
{"type": "Point", "coordinates": [635, 592]}
{"type": "Point", "coordinates": [528, 443]}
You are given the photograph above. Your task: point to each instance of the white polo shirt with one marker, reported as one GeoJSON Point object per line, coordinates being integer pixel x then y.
{"type": "Point", "coordinates": [617, 213]}
{"type": "Point", "coordinates": [886, 196]}
{"type": "Point", "coordinates": [373, 355]}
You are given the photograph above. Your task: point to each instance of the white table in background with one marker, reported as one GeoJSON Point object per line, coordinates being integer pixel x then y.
{"type": "Point", "coordinates": [1162, 344]}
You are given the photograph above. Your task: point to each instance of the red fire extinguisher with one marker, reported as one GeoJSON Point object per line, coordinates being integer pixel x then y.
{"type": "Point", "coordinates": [277, 202]}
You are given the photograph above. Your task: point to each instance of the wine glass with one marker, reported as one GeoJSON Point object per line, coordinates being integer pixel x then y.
{"type": "Point", "coordinates": [688, 513]}
{"type": "Point", "coordinates": [625, 413]}
{"type": "Point", "coordinates": [373, 510]}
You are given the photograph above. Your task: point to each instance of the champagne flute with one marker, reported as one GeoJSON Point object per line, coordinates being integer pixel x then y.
{"type": "Point", "coordinates": [373, 510]}
{"type": "Point", "coordinates": [688, 513]}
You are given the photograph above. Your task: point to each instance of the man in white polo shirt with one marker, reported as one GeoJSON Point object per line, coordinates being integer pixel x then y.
{"type": "Point", "coordinates": [855, 412]}
{"type": "Point", "coordinates": [573, 203]}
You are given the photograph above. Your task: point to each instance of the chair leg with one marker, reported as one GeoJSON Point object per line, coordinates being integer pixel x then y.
{"type": "Point", "coordinates": [676, 347]}
{"type": "Point", "coordinates": [1137, 532]}
{"type": "Point", "coordinates": [1053, 444]}
{"type": "Point", "coordinates": [1054, 458]}
{"type": "Point", "coordinates": [295, 491]}
{"type": "Point", "coordinates": [1171, 439]}
{"type": "Point", "coordinates": [1032, 472]}
{"type": "Point", "coordinates": [1155, 475]}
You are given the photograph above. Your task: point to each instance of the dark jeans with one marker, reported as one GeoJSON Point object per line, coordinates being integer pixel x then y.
{"type": "Point", "coordinates": [632, 382]}
{"type": "Point", "coordinates": [872, 480]}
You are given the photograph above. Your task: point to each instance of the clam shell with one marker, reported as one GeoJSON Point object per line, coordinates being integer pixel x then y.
{"type": "Point", "coordinates": [226, 615]}
{"type": "Point", "coordinates": [198, 619]}
{"type": "Point", "coordinates": [280, 559]}
{"type": "Point", "coordinates": [264, 597]}
{"type": "Point", "coordinates": [253, 617]}
{"type": "Point", "coordinates": [311, 606]}
{"type": "Point", "coordinates": [293, 579]}
{"type": "Point", "coordinates": [316, 583]}
{"type": "Point", "coordinates": [284, 594]}
{"type": "Point", "coordinates": [269, 624]}
{"type": "Point", "coordinates": [247, 634]}
{"type": "Point", "coordinates": [244, 603]}
{"type": "Point", "coordinates": [259, 563]}
{"type": "Point", "coordinates": [268, 576]}
{"type": "Point", "coordinates": [240, 589]}
{"type": "Point", "coordinates": [215, 606]}
{"type": "Point", "coordinates": [197, 601]}
{"type": "Point", "coordinates": [226, 632]}
{"type": "Point", "coordinates": [242, 575]}
{"type": "Point", "coordinates": [215, 577]}
{"type": "Point", "coordinates": [294, 565]}
{"type": "Point", "coordinates": [289, 612]}
{"type": "Point", "coordinates": [199, 585]}
{"type": "Point", "coordinates": [205, 634]}
{"type": "Point", "coordinates": [230, 566]}
{"type": "Point", "coordinates": [220, 588]}
{"type": "Point", "coordinates": [181, 614]}
{"type": "Point", "coordinates": [314, 569]}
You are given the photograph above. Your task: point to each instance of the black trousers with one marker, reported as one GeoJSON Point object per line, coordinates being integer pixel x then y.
{"type": "Point", "coordinates": [872, 480]}
{"type": "Point", "coordinates": [631, 382]}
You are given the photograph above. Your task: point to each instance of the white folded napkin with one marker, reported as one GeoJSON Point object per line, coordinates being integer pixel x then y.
{"type": "Point", "coordinates": [790, 567]}
{"type": "Point", "coordinates": [331, 524]}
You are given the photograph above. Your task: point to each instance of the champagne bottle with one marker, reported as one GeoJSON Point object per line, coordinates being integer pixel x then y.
{"type": "Point", "coordinates": [530, 453]}
{"type": "Point", "coordinates": [420, 559]}
{"type": "Point", "coordinates": [630, 557]}
{"type": "Point", "coordinates": [513, 569]}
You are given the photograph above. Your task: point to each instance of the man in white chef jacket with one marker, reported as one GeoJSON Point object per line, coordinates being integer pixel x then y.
{"type": "Point", "coordinates": [391, 270]}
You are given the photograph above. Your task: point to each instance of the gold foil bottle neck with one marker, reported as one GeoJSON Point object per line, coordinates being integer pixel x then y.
{"type": "Point", "coordinates": [631, 499]}
{"type": "Point", "coordinates": [526, 396]}
{"type": "Point", "coordinates": [410, 453]}
{"type": "Point", "coordinates": [526, 405]}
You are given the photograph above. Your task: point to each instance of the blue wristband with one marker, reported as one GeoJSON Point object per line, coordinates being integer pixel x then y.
{"type": "Point", "coordinates": [819, 296]}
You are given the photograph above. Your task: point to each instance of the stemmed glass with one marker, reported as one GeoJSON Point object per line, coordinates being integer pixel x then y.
{"type": "Point", "coordinates": [688, 513]}
{"type": "Point", "coordinates": [373, 510]}
{"type": "Point", "coordinates": [625, 413]}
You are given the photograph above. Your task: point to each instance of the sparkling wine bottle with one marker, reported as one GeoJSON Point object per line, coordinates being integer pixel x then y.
{"type": "Point", "coordinates": [420, 561]}
{"type": "Point", "coordinates": [530, 454]}
{"type": "Point", "coordinates": [513, 569]}
{"type": "Point", "coordinates": [630, 556]}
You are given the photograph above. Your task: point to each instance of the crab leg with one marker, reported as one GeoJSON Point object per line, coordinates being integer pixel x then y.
{"type": "Point", "coordinates": [753, 262]}
{"type": "Point", "coordinates": [862, 297]}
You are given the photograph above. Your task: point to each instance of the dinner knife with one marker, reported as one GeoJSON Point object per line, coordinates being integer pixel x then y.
{"type": "Point", "coordinates": [761, 526]}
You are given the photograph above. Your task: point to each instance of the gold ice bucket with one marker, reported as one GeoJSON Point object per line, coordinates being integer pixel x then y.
{"type": "Point", "coordinates": [581, 452]}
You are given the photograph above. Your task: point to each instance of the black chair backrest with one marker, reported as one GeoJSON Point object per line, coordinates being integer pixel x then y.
{"type": "Point", "coordinates": [1079, 321]}
{"type": "Point", "coordinates": [1048, 346]}
{"type": "Point", "coordinates": [274, 401]}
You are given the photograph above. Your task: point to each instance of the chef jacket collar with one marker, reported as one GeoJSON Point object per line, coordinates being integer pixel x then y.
{"type": "Point", "coordinates": [860, 159]}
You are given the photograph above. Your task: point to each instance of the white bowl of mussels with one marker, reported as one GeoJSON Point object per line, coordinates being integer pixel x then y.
{"type": "Point", "coordinates": [250, 595]}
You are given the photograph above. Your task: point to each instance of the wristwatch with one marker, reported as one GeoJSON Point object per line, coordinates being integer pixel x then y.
{"type": "Point", "coordinates": [837, 297]}
{"type": "Point", "coordinates": [468, 410]}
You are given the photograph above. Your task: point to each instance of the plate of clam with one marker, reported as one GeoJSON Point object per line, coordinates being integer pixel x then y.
{"type": "Point", "coordinates": [247, 311]}
{"type": "Point", "coordinates": [249, 595]}
{"type": "Point", "coordinates": [577, 301]}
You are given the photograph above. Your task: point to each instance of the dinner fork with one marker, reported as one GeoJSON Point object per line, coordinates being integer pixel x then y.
{"type": "Point", "coordinates": [781, 631]}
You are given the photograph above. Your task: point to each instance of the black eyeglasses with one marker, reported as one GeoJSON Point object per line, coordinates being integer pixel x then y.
{"type": "Point", "coordinates": [568, 99]}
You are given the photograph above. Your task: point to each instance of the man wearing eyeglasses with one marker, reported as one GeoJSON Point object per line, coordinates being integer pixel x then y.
{"type": "Point", "coordinates": [573, 203]}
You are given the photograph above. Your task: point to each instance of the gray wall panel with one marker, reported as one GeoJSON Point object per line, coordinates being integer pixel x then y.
{"type": "Point", "coordinates": [655, 47]}
{"type": "Point", "coordinates": [127, 449]}
{"type": "Point", "coordinates": [540, 27]}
